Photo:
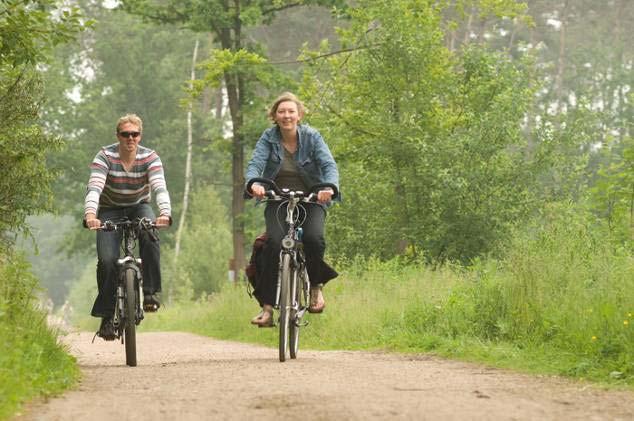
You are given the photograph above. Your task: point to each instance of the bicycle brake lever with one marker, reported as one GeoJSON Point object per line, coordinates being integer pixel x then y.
{"type": "Point", "coordinates": [152, 234]}
{"type": "Point", "coordinates": [150, 228]}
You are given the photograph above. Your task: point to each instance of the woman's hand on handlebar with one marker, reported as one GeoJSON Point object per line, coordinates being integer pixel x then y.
{"type": "Point", "coordinates": [258, 191]}
{"type": "Point", "coordinates": [92, 221]}
{"type": "Point", "coordinates": [324, 196]}
{"type": "Point", "coordinates": [162, 221]}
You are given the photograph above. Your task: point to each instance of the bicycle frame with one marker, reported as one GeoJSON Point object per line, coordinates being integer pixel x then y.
{"type": "Point", "coordinates": [128, 311]}
{"type": "Point", "coordinates": [128, 261]}
{"type": "Point", "coordinates": [291, 244]}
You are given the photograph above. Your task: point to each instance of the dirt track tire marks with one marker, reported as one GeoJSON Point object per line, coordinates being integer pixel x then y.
{"type": "Point", "coordinates": [188, 377]}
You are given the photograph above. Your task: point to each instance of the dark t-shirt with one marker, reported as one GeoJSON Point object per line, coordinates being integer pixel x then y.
{"type": "Point", "coordinates": [289, 177]}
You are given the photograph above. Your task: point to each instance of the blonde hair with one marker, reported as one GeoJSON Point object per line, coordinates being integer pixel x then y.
{"type": "Point", "coordinates": [130, 118]}
{"type": "Point", "coordinates": [286, 96]}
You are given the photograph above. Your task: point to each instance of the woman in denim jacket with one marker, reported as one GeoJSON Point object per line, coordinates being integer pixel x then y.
{"type": "Point", "coordinates": [296, 157]}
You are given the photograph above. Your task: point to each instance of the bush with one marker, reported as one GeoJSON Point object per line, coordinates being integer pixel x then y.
{"type": "Point", "coordinates": [560, 287]}
{"type": "Point", "coordinates": [32, 361]}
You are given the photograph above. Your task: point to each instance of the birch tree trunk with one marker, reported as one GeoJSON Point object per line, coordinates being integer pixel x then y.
{"type": "Point", "coordinates": [467, 33]}
{"type": "Point", "coordinates": [188, 165]}
{"type": "Point", "coordinates": [561, 63]}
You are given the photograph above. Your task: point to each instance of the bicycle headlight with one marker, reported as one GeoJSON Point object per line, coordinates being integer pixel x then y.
{"type": "Point", "coordinates": [288, 243]}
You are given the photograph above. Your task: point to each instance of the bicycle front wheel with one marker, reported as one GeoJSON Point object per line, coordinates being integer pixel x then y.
{"type": "Point", "coordinates": [130, 316]}
{"type": "Point", "coordinates": [297, 285]}
{"type": "Point", "coordinates": [285, 304]}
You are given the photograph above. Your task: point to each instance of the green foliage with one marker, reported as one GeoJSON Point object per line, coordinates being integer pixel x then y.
{"type": "Point", "coordinates": [435, 137]}
{"type": "Point", "coordinates": [217, 16]}
{"type": "Point", "coordinates": [32, 361]}
{"type": "Point", "coordinates": [203, 261]}
{"type": "Point", "coordinates": [561, 290]}
{"type": "Point", "coordinates": [226, 61]}
{"type": "Point", "coordinates": [30, 29]}
{"type": "Point", "coordinates": [612, 194]}
{"type": "Point", "coordinates": [24, 177]}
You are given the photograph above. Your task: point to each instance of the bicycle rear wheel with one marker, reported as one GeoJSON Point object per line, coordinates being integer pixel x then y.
{"type": "Point", "coordinates": [285, 299]}
{"type": "Point", "coordinates": [130, 316]}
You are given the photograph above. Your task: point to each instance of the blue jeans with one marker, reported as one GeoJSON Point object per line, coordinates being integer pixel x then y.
{"type": "Point", "coordinates": [108, 249]}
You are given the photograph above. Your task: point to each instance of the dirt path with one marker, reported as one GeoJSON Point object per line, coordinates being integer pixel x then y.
{"type": "Point", "coordinates": [188, 377]}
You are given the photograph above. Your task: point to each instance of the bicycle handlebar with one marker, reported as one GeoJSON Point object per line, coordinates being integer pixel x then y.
{"type": "Point", "coordinates": [142, 223]}
{"type": "Point", "coordinates": [276, 192]}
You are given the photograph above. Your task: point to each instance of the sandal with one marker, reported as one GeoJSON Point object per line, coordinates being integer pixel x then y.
{"type": "Point", "coordinates": [317, 302]}
{"type": "Point", "coordinates": [264, 318]}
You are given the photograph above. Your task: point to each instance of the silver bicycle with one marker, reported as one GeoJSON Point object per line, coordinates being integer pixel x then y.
{"type": "Point", "coordinates": [293, 285]}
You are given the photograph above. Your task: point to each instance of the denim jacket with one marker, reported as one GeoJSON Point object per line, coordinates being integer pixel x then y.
{"type": "Point", "coordinates": [314, 160]}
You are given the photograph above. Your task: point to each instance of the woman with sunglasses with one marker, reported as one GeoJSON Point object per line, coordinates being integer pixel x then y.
{"type": "Point", "coordinates": [122, 177]}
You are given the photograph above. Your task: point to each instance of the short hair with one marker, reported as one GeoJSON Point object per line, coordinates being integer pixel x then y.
{"type": "Point", "coordinates": [130, 118]}
{"type": "Point", "coordinates": [286, 96]}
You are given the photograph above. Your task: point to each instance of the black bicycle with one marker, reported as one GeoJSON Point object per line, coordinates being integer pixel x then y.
{"type": "Point", "coordinates": [293, 285]}
{"type": "Point", "coordinates": [128, 311]}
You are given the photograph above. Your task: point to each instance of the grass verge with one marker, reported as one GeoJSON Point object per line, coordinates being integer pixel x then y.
{"type": "Point", "coordinates": [560, 302]}
{"type": "Point", "coordinates": [32, 361]}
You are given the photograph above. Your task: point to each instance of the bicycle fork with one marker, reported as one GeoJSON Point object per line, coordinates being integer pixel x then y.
{"type": "Point", "coordinates": [125, 264]}
{"type": "Point", "coordinates": [278, 289]}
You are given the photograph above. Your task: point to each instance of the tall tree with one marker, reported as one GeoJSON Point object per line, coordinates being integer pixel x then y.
{"type": "Point", "coordinates": [429, 142]}
{"type": "Point", "coordinates": [228, 20]}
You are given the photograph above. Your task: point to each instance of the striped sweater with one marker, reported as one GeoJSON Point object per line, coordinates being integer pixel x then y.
{"type": "Point", "coordinates": [110, 185]}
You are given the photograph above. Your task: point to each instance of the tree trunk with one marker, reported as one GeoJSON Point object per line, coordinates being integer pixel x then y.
{"type": "Point", "coordinates": [188, 164]}
{"type": "Point", "coordinates": [235, 90]}
{"type": "Point", "coordinates": [619, 63]}
{"type": "Point", "coordinates": [237, 168]}
{"type": "Point", "coordinates": [188, 174]}
{"type": "Point", "coordinates": [561, 64]}
{"type": "Point", "coordinates": [513, 33]}
{"type": "Point", "coordinates": [467, 33]}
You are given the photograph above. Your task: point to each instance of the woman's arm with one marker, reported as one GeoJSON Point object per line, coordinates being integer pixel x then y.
{"type": "Point", "coordinates": [255, 167]}
{"type": "Point", "coordinates": [325, 160]}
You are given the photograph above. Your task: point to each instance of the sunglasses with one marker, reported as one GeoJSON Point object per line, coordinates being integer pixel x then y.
{"type": "Point", "coordinates": [126, 135]}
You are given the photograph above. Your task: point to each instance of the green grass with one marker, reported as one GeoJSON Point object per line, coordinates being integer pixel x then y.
{"type": "Point", "coordinates": [560, 302]}
{"type": "Point", "coordinates": [32, 361]}
{"type": "Point", "coordinates": [412, 310]}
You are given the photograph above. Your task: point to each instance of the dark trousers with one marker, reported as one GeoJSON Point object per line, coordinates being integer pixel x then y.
{"type": "Point", "coordinates": [314, 248]}
{"type": "Point", "coordinates": [108, 250]}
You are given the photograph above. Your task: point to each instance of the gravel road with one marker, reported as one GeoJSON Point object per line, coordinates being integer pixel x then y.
{"type": "Point", "coordinates": [187, 377]}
